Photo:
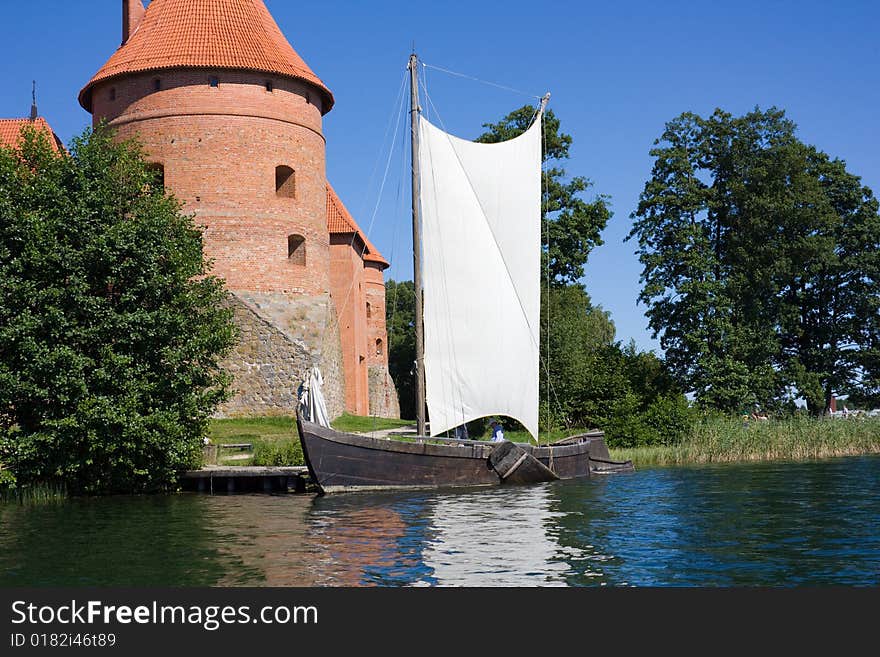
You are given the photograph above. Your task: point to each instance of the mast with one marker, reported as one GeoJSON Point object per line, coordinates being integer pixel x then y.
{"type": "Point", "coordinates": [417, 246]}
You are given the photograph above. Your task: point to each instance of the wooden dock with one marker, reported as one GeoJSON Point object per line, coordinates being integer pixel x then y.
{"type": "Point", "coordinates": [246, 479]}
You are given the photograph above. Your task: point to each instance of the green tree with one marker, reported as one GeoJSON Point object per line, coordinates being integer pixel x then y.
{"type": "Point", "coordinates": [400, 303]}
{"type": "Point", "coordinates": [686, 245]}
{"type": "Point", "coordinates": [576, 341]}
{"type": "Point", "coordinates": [597, 382]}
{"type": "Point", "coordinates": [742, 232]}
{"type": "Point", "coordinates": [110, 329]}
{"type": "Point", "coordinates": [830, 298]}
{"type": "Point", "coordinates": [571, 227]}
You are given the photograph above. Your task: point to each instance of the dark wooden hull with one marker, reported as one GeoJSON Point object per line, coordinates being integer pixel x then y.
{"type": "Point", "coordinates": [340, 461]}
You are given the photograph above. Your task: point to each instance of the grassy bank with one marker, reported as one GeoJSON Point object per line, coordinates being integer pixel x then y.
{"type": "Point", "coordinates": [275, 439]}
{"type": "Point", "coordinates": [723, 441]}
{"type": "Point", "coordinates": [276, 442]}
{"type": "Point", "coordinates": [358, 424]}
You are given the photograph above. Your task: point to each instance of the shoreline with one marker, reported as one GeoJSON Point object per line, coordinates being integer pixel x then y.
{"type": "Point", "coordinates": [711, 441]}
{"type": "Point", "coordinates": [661, 457]}
{"type": "Point", "coordinates": [793, 439]}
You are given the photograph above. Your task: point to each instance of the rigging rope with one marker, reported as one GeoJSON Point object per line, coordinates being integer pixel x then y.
{"type": "Point", "coordinates": [396, 236]}
{"type": "Point", "coordinates": [470, 77]}
{"type": "Point", "coordinates": [334, 317]}
{"type": "Point", "coordinates": [379, 197]}
{"type": "Point", "coordinates": [545, 220]}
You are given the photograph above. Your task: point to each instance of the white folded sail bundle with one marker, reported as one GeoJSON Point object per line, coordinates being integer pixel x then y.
{"type": "Point", "coordinates": [312, 403]}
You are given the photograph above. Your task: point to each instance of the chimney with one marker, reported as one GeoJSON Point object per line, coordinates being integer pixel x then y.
{"type": "Point", "coordinates": [132, 13]}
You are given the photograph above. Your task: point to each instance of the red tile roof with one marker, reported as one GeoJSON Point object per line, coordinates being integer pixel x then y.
{"type": "Point", "coordinates": [340, 221]}
{"type": "Point", "coordinates": [213, 34]}
{"type": "Point", "coordinates": [10, 132]}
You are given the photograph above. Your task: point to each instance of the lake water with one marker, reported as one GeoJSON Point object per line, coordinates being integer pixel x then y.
{"type": "Point", "coordinates": [770, 524]}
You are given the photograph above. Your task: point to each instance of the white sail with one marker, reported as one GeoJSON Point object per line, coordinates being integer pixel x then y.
{"type": "Point", "coordinates": [481, 260]}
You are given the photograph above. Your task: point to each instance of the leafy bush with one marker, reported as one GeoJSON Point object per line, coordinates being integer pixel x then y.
{"type": "Point", "coordinates": [7, 483]}
{"type": "Point", "coordinates": [110, 331]}
{"type": "Point", "coordinates": [281, 452]}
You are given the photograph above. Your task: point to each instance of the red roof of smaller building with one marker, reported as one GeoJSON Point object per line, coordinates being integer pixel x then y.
{"type": "Point", "coordinates": [10, 132]}
{"type": "Point", "coordinates": [212, 34]}
{"type": "Point", "coordinates": [340, 222]}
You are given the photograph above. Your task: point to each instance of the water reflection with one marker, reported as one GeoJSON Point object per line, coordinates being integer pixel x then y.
{"type": "Point", "coordinates": [493, 537]}
{"type": "Point", "coordinates": [742, 525]}
{"type": "Point", "coordinates": [136, 541]}
{"type": "Point", "coordinates": [479, 537]}
{"type": "Point", "coordinates": [368, 539]}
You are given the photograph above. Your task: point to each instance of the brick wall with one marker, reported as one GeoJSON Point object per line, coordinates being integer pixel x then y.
{"type": "Point", "coordinates": [374, 294]}
{"type": "Point", "coordinates": [383, 393]}
{"type": "Point", "coordinates": [359, 292]}
{"type": "Point", "coordinates": [220, 147]}
{"type": "Point", "coordinates": [347, 287]}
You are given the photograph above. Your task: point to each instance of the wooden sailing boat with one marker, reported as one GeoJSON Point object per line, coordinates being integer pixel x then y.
{"type": "Point", "coordinates": [478, 268]}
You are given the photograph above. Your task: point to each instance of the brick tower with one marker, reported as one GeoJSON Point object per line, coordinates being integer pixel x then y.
{"type": "Point", "coordinates": [231, 116]}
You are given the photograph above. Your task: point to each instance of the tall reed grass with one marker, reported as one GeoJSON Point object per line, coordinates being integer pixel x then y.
{"type": "Point", "coordinates": [34, 494]}
{"type": "Point", "coordinates": [720, 440]}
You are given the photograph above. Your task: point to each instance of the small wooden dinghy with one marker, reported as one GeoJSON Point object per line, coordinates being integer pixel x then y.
{"type": "Point", "coordinates": [514, 465]}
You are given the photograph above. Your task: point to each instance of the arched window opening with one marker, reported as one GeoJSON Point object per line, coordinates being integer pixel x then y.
{"type": "Point", "coordinates": [285, 182]}
{"type": "Point", "coordinates": [158, 171]}
{"type": "Point", "coordinates": [215, 82]}
{"type": "Point", "coordinates": [369, 310]}
{"type": "Point", "coordinates": [112, 93]}
{"type": "Point", "coordinates": [157, 84]}
{"type": "Point", "coordinates": [379, 347]}
{"type": "Point", "coordinates": [270, 86]}
{"type": "Point", "coordinates": [296, 249]}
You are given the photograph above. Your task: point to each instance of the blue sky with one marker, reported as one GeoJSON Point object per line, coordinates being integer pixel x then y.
{"type": "Point", "coordinates": [617, 72]}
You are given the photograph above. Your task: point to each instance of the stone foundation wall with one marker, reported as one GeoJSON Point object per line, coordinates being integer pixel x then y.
{"type": "Point", "coordinates": [280, 340]}
{"type": "Point", "coordinates": [383, 394]}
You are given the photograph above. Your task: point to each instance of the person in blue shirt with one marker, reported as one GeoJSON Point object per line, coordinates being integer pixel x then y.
{"type": "Point", "coordinates": [497, 431]}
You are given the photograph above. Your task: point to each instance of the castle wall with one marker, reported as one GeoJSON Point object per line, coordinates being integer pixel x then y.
{"type": "Point", "coordinates": [383, 393]}
{"type": "Point", "coordinates": [220, 147]}
{"type": "Point", "coordinates": [268, 366]}
{"type": "Point", "coordinates": [347, 288]}
{"type": "Point", "coordinates": [384, 401]}
{"type": "Point", "coordinates": [300, 295]}
{"type": "Point", "coordinates": [374, 295]}
{"type": "Point", "coordinates": [359, 292]}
